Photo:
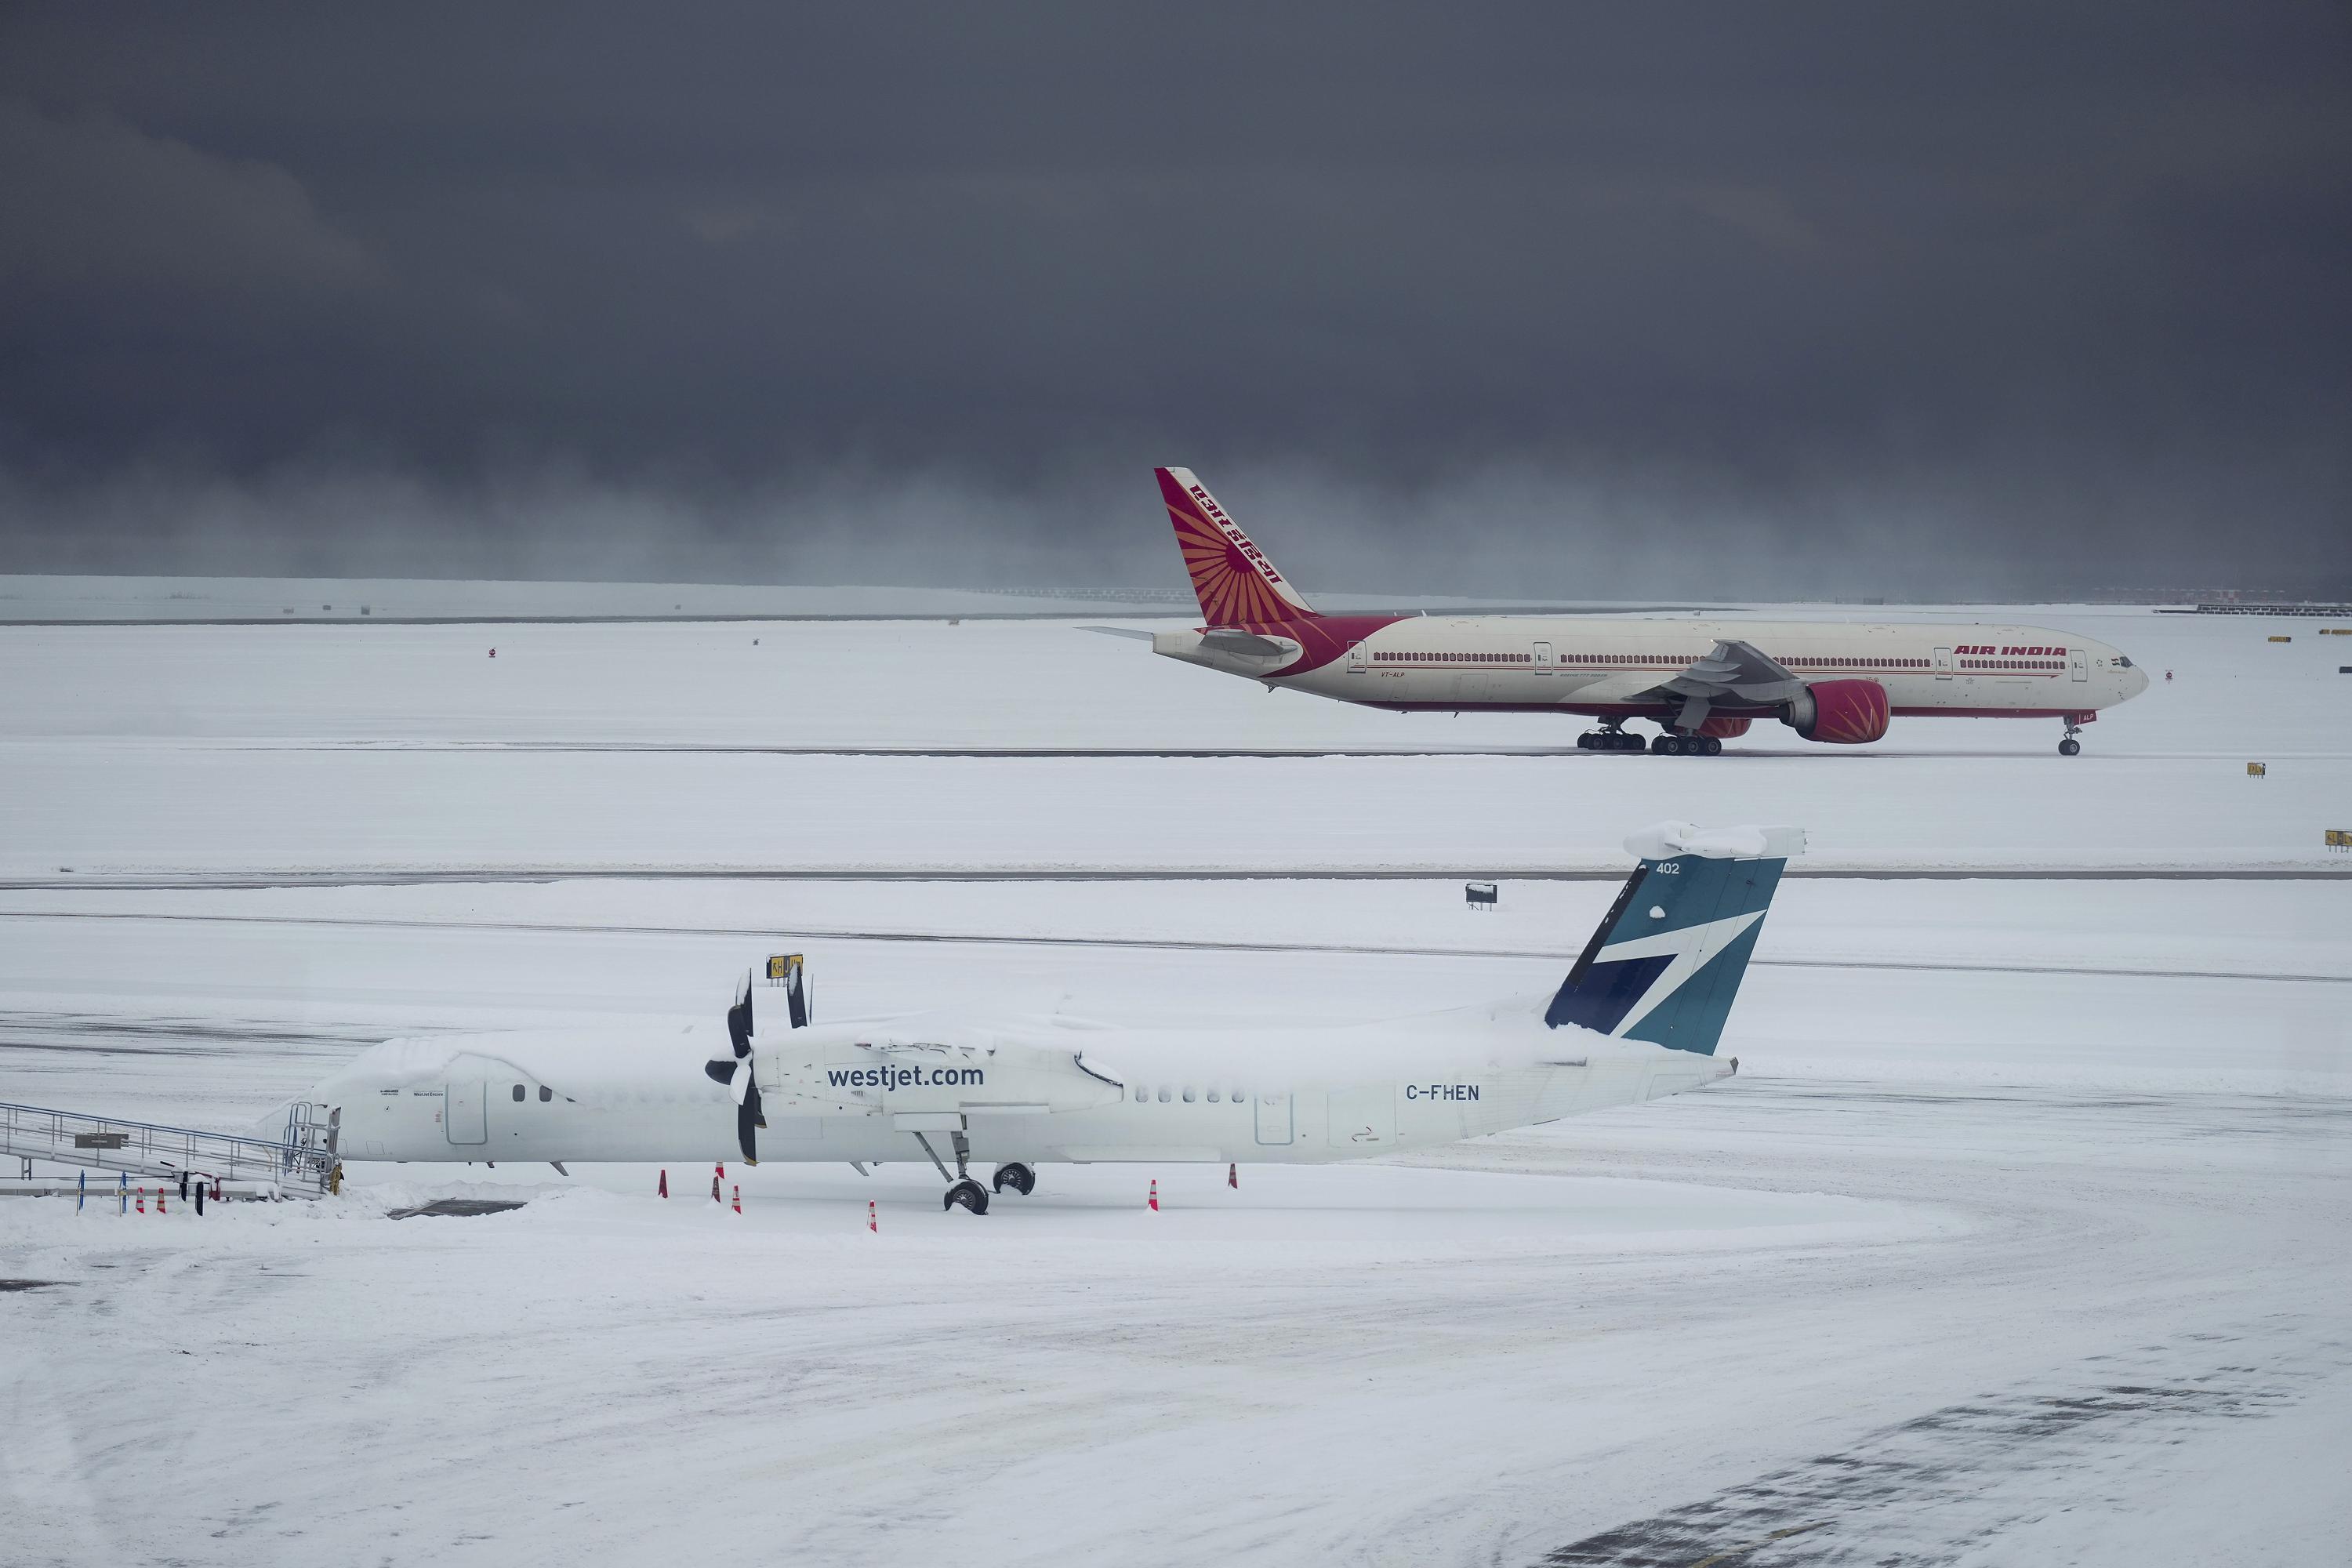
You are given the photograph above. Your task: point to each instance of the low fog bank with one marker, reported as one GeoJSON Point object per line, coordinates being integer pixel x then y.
{"type": "Point", "coordinates": [1517, 529]}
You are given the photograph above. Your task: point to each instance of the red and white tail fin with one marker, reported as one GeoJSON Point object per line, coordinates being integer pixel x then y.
{"type": "Point", "coordinates": [1236, 583]}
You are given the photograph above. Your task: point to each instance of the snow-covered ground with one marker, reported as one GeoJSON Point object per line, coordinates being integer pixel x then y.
{"type": "Point", "coordinates": [2019, 1237]}
{"type": "Point", "coordinates": [197, 751]}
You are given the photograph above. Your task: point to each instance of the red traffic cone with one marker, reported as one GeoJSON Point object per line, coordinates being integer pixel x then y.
{"type": "Point", "coordinates": [738, 1198]}
{"type": "Point", "coordinates": [663, 1191]}
{"type": "Point", "coordinates": [158, 1200]}
{"type": "Point", "coordinates": [870, 1222]}
{"type": "Point", "coordinates": [1233, 1176]}
{"type": "Point", "coordinates": [1154, 1199]}
{"type": "Point", "coordinates": [216, 1195]}
{"type": "Point", "coordinates": [142, 1200]}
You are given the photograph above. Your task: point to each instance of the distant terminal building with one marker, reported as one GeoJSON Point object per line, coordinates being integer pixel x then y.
{"type": "Point", "coordinates": [2226, 601]}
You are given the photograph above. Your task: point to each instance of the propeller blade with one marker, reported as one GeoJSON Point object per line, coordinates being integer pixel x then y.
{"type": "Point", "coordinates": [747, 1118]}
{"type": "Point", "coordinates": [739, 1021]}
{"type": "Point", "coordinates": [721, 1071]}
{"type": "Point", "coordinates": [741, 1086]}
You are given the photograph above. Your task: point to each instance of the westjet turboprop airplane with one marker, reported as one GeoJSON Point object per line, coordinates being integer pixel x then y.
{"type": "Point", "coordinates": [1638, 1018]}
{"type": "Point", "coordinates": [1701, 681]}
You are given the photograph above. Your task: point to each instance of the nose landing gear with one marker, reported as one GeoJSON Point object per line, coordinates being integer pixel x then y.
{"type": "Point", "coordinates": [2071, 746]}
{"type": "Point", "coordinates": [1018, 1176]}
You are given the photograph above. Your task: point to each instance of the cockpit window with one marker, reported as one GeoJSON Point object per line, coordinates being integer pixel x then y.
{"type": "Point", "coordinates": [2123, 661]}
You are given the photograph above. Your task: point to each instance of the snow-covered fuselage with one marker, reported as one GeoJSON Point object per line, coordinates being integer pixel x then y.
{"type": "Point", "coordinates": [1028, 1091]}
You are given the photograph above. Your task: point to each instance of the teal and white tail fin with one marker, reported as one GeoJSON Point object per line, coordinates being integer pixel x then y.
{"type": "Point", "coordinates": [1670, 953]}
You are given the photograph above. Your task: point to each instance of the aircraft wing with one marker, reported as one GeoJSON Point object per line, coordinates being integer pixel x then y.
{"type": "Point", "coordinates": [1735, 673]}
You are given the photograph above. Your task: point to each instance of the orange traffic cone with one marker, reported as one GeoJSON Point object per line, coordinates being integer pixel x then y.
{"type": "Point", "coordinates": [216, 1195]}
{"type": "Point", "coordinates": [1233, 1176]}
{"type": "Point", "coordinates": [1154, 1199]}
{"type": "Point", "coordinates": [158, 1200]}
{"type": "Point", "coordinates": [738, 1198]}
{"type": "Point", "coordinates": [142, 1200]}
{"type": "Point", "coordinates": [663, 1191]}
{"type": "Point", "coordinates": [870, 1222]}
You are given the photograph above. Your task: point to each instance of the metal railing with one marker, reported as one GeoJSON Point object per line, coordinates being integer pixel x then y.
{"type": "Point", "coordinates": [300, 1163]}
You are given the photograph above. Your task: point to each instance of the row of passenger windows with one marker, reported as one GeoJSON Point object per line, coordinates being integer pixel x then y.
{"type": "Point", "coordinates": [1166, 1093]}
{"type": "Point", "coordinates": [1675, 660]}
{"type": "Point", "coordinates": [1453, 659]}
{"type": "Point", "coordinates": [2012, 664]}
{"type": "Point", "coordinates": [545, 1093]}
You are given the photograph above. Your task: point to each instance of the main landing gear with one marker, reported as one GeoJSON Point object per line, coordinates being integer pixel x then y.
{"type": "Point", "coordinates": [964, 1192]}
{"type": "Point", "coordinates": [2070, 746]}
{"type": "Point", "coordinates": [1670, 744]}
{"type": "Point", "coordinates": [1018, 1176]}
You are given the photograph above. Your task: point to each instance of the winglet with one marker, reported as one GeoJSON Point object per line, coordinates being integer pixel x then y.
{"type": "Point", "coordinates": [1235, 582]}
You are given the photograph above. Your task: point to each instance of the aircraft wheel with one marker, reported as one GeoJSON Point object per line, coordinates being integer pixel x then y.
{"type": "Point", "coordinates": [1018, 1176]}
{"type": "Point", "coordinates": [968, 1194]}
{"type": "Point", "coordinates": [1667, 745]}
{"type": "Point", "coordinates": [1714, 745]}
{"type": "Point", "coordinates": [1584, 742]}
{"type": "Point", "coordinates": [1628, 742]}
{"type": "Point", "coordinates": [2068, 747]}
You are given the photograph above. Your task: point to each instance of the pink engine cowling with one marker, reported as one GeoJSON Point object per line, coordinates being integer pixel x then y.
{"type": "Point", "coordinates": [1726, 726]}
{"type": "Point", "coordinates": [1840, 712]}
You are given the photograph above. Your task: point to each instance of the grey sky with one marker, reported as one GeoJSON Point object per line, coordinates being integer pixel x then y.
{"type": "Point", "coordinates": [1526, 300]}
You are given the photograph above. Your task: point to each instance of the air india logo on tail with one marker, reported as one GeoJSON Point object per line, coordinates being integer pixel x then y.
{"type": "Point", "coordinates": [1250, 553]}
{"type": "Point", "coordinates": [1235, 582]}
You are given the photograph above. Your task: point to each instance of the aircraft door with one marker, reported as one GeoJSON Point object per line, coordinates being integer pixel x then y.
{"type": "Point", "coordinates": [1543, 659]}
{"type": "Point", "coordinates": [462, 1113]}
{"type": "Point", "coordinates": [1273, 1119]}
{"type": "Point", "coordinates": [2078, 664]}
{"type": "Point", "coordinates": [1355, 657]}
{"type": "Point", "coordinates": [1943, 664]}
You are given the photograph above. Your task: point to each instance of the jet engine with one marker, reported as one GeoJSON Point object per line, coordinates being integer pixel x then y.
{"type": "Point", "coordinates": [1726, 726]}
{"type": "Point", "coordinates": [1840, 712]}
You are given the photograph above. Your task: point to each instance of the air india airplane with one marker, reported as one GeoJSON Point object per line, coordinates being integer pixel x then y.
{"type": "Point", "coordinates": [1638, 1018]}
{"type": "Point", "coordinates": [1701, 681]}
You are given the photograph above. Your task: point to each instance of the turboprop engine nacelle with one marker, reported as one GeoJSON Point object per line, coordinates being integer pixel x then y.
{"type": "Point", "coordinates": [1841, 713]}
{"type": "Point", "coordinates": [993, 1079]}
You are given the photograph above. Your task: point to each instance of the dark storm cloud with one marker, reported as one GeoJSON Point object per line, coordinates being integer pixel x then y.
{"type": "Point", "coordinates": [1517, 300]}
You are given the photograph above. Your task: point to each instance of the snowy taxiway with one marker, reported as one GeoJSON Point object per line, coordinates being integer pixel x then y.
{"type": "Point", "coordinates": [2019, 1237]}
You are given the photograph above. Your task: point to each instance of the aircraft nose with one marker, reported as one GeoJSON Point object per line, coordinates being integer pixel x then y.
{"type": "Point", "coordinates": [2136, 681]}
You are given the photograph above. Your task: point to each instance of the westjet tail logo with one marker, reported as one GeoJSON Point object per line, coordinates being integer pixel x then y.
{"type": "Point", "coordinates": [1685, 951]}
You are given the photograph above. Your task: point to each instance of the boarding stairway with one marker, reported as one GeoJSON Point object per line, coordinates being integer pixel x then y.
{"type": "Point", "coordinates": [300, 1163]}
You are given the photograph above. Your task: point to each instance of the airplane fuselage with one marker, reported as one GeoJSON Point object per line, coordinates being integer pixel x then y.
{"type": "Point", "coordinates": [1597, 666]}
{"type": "Point", "coordinates": [860, 1091]}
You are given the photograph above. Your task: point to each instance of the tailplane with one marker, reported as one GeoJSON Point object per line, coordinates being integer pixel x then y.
{"type": "Point", "coordinates": [1669, 956]}
{"type": "Point", "coordinates": [1235, 582]}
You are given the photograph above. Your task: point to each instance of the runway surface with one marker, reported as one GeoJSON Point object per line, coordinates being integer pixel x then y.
{"type": "Point", "coordinates": [833, 935]}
